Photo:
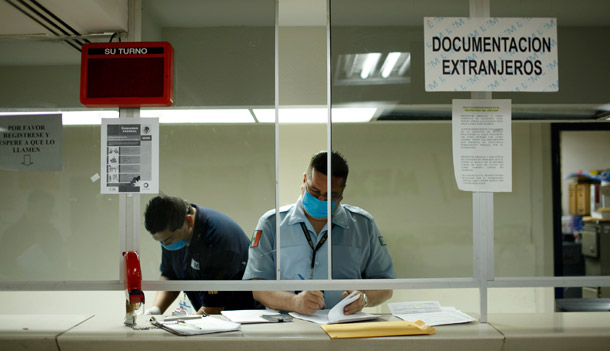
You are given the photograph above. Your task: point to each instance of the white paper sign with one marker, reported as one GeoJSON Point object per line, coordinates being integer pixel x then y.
{"type": "Point", "coordinates": [491, 54]}
{"type": "Point", "coordinates": [130, 155]}
{"type": "Point", "coordinates": [482, 145]}
{"type": "Point", "coordinates": [30, 142]}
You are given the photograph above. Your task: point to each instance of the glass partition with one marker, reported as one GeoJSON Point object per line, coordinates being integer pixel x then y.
{"type": "Point", "coordinates": [221, 158]}
{"type": "Point", "coordinates": [55, 224]}
{"type": "Point", "coordinates": [400, 172]}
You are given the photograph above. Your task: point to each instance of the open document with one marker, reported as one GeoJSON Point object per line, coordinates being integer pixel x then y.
{"type": "Point", "coordinates": [336, 314]}
{"type": "Point", "coordinates": [196, 326]}
{"type": "Point", "coordinates": [429, 312]}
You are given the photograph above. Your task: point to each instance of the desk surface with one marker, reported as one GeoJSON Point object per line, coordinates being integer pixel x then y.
{"type": "Point", "coordinates": [554, 331]}
{"type": "Point", "coordinates": [295, 335]}
{"type": "Point", "coordinates": [27, 332]}
{"type": "Point", "coordinates": [506, 332]}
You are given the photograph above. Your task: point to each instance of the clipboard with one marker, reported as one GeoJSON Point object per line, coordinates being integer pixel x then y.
{"type": "Point", "coordinates": [196, 326]}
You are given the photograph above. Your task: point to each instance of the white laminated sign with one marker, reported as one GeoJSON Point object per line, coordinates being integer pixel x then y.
{"type": "Point", "coordinates": [491, 54]}
{"type": "Point", "coordinates": [130, 155]}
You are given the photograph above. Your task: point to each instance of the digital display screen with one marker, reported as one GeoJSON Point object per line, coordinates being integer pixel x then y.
{"type": "Point", "coordinates": [125, 77]}
{"type": "Point", "coordinates": [133, 74]}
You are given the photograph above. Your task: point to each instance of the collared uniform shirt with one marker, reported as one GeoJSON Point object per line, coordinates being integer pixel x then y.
{"type": "Point", "coordinates": [358, 249]}
{"type": "Point", "coordinates": [218, 250]}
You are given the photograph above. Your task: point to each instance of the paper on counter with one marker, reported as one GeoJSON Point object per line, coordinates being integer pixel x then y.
{"type": "Point", "coordinates": [438, 318]}
{"type": "Point", "coordinates": [336, 314]}
{"type": "Point", "coordinates": [429, 312]}
{"type": "Point", "coordinates": [414, 307]}
{"type": "Point", "coordinates": [248, 316]}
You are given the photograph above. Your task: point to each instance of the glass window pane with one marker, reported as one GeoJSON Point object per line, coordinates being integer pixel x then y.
{"type": "Point", "coordinates": [401, 173]}
{"type": "Point", "coordinates": [57, 225]}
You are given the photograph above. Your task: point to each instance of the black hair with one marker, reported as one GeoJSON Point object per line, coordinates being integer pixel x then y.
{"type": "Point", "coordinates": [339, 167]}
{"type": "Point", "coordinates": [165, 212]}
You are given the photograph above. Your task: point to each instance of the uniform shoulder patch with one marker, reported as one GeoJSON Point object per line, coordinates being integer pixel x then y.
{"type": "Point", "coordinates": [256, 237]}
{"type": "Point", "coordinates": [382, 241]}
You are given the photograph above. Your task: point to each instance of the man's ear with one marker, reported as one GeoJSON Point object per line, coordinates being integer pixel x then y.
{"type": "Point", "coordinates": [190, 221]}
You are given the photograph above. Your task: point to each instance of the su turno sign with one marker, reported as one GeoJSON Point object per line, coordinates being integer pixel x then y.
{"type": "Point", "coordinates": [491, 54]}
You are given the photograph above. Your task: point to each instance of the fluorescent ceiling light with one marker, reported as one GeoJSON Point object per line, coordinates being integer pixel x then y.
{"type": "Point", "coordinates": [405, 65]}
{"type": "Point", "coordinates": [86, 118]}
{"type": "Point", "coordinates": [315, 115]}
{"type": "Point", "coordinates": [389, 63]}
{"type": "Point", "coordinates": [353, 114]}
{"type": "Point", "coordinates": [73, 118]}
{"type": "Point", "coordinates": [201, 116]}
{"type": "Point", "coordinates": [369, 64]}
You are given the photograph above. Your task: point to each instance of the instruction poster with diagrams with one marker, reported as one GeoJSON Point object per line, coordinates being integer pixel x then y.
{"type": "Point", "coordinates": [482, 158]}
{"type": "Point", "coordinates": [130, 155]}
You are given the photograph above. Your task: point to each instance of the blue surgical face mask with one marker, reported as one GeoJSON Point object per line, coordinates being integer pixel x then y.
{"type": "Point", "coordinates": [314, 207]}
{"type": "Point", "coordinates": [175, 246]}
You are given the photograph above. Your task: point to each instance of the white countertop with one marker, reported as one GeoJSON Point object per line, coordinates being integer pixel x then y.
{"type": "Point", "coordinates": [519, 331]}
{"type": "Point", "coordinates": [35, 332]}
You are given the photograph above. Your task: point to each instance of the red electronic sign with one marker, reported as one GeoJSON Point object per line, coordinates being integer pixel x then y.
{"type": "Point", "coordinates": [123, 74]}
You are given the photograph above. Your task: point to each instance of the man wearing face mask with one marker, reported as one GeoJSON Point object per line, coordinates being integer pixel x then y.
{"type": "Point", "coordinates": [198, 244]}
{"type": "Point", "coordinates": [358, 249]}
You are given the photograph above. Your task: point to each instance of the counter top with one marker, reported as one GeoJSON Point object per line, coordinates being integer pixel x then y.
{"type": "Point", "coordinates": [506, 332]}
{"type": "Point", "coordinates": [554, 331]}
{"type": "Point", "coordinates": [101, 334]}
{"type": "Point", "coordinates": [37, 332]}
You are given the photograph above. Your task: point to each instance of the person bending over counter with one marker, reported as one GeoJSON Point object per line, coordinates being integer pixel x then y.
{"type": "Point", "coordinates": [358, 249]}
{"type": "Point", "coordinates": [198, 244]}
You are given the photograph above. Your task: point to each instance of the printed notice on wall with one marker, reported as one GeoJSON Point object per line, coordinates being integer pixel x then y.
{"type": "Point", "coordinates": [482, 145]}
{"type": "Point", "coordinates": [130, 155]}
{"type": "Point", "coordinates": [491, 54]}
{"type": "Point", "coordinates": [30, 142]}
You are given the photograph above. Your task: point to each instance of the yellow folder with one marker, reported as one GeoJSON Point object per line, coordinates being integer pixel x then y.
{"type": "Point", "coordinates": [376, 329]}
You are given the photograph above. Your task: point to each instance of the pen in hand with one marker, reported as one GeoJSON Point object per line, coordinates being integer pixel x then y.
{"type": "Point", "coordinates": [302, 278]}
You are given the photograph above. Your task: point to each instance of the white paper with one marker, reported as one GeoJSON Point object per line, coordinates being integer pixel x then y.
{"type": "Point", "coordinates": [414, 307]}
{"type": "Point", "coordinates": [336, 314]}
{"type": "Point", "coordinates": [248, 316]}
{"type": "Point", "coordinates": [438, 318]}
{"type": "Point", "coordinates": [482, 145]}
{"type": "Point", "coordinates": [130, 155]}
{"type": "Point", "coordinates": [430, 312]}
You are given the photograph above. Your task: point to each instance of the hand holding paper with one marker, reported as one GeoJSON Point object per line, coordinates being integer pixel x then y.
{"type": "Point", "coordinates": [336, 314]}
{"type": "Point", "coordinates": [355, 305]}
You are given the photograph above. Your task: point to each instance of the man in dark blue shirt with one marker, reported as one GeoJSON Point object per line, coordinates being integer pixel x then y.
{"type": "Point", "coordinates": [198, 244]}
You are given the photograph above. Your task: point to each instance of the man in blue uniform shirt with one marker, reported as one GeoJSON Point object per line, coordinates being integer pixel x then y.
{"type": "Point", "coordinates": [358, 249]}
{"type": "Point", "coordinates": [198, 244]}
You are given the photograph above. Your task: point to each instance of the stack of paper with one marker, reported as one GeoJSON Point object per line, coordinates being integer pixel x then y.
{"type": "Point", "coordinates": [336, 314]}
{"type": "Point", "coordinates": [429, 312]}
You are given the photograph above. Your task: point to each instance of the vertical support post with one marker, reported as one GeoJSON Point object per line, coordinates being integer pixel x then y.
{"type": "Point", "coordinates": [129, 204]}
{"type": "Point", "coordinates": [277, 142]}
{"type": "Point", "coordinates": [329, 135]}
{"type": "Point", "coordinates": [482, 208]}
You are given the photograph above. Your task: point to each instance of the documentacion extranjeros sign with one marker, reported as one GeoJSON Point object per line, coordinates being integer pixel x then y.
{"type": "Point", "coordinates": [491, 54]}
